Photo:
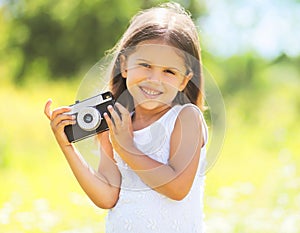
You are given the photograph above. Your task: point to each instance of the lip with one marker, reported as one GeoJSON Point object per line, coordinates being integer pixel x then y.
{"type": "Point", "coordinates": [150, 92]}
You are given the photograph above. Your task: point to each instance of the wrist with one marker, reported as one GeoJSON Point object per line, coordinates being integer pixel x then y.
{"type": "Point", "coordinates": [126, 148]}
{"type": "Point", "coordinates": [66, 148]}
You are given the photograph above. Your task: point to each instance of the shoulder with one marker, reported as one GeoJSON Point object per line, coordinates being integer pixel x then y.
{"type": "Point", "coordinates": [190, 116]}
{"type": "Point", "coordinates": [190, 113]}
{"type": "Point", "coordinates": [190, 109]}
{"type": "Point", "coordinates": [190, 120]}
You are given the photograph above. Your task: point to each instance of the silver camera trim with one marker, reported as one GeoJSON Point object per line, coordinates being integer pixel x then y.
{"type": "Point", "coordinates": [87, 106]}
{"type": "Point", "coordinates": [91, 102]}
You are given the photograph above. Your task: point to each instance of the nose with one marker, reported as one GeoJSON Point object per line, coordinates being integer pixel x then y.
{"type": "Point", "coordinates": [155, 74]}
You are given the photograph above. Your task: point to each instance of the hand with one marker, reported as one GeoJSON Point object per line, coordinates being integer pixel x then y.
{"type": "Point", "coordinates": [58, 121]}
{"type": "Point", "coordinates": [120, 125]}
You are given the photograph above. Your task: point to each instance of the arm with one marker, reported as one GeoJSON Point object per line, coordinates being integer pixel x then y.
{"type": "Point", "coordinates": [174, 179]}
{"type": "Point", "coordinates": [97, 186]}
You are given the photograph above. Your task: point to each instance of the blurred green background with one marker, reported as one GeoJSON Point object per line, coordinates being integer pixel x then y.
{"type": "Point", "coordinates": [252, 50]}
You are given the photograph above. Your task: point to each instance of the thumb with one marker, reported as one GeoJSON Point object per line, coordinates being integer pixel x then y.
{"type": "Point", "coordinates": [47, 109]}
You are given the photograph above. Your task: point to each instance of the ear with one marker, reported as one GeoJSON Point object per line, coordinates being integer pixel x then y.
{"type": "Point", "coordinates": [123, 66]}
{"type": "Point", "coordinates": [185, 81]}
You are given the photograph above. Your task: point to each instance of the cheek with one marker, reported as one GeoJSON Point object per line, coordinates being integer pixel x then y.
{"type": "Point", "coordinates": [132, 77]}
{"type": "Point", "coordinates": [172, 83]}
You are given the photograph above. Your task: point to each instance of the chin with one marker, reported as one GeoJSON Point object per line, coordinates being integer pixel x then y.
{"type": "Point", "coordinates": [151, 104]}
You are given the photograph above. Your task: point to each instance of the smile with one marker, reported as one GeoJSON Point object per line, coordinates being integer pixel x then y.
{"type": "Point", "coordinates": [150, 92]}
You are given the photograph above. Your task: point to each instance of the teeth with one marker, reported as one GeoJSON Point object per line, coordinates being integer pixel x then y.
{"type": "Point", "coordinates": [150, 91]}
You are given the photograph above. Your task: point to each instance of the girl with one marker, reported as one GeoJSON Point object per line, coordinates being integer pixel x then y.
{"type": "Point", "coordinates": [153, 156]}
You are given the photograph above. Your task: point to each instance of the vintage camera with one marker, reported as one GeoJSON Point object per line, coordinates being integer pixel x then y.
{"type": "Point", "coordinates": [89, 116]}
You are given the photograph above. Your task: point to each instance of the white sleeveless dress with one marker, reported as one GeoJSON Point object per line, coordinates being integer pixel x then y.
{"type": "Point", "coordinates": [143, 210]}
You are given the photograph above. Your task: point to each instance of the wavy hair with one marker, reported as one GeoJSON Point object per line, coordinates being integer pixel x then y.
{"type": "Point", "coordinates": [171, 23]}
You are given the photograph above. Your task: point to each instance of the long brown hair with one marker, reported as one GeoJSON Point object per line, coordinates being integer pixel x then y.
{"type": "Point", "coordinates": [174, 25]}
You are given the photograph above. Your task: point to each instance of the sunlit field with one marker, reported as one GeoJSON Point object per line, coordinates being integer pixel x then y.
{"type": "Point", "coordinates": [251, 49]}
{"type": "Point", "coordinates": [39, 193]}
{"type": "Point", "coordinates": [253, 187]}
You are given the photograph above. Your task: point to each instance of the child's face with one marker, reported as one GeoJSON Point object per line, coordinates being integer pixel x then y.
{"type": "Point", "coordinates": [154, 73]}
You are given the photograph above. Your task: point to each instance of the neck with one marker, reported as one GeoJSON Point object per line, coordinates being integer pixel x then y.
{"type": "Point", "coordinates": [144, 117]}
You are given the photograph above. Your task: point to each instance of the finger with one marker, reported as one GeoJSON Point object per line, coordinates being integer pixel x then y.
{"type": "Point", "coordinates": [114, 115]}
{"type": "Point", "coordinates": [47, 109]}
{"type": "Point", "coordinates": [59, 111]}
{"type": "Point", "coordinates": [59, 129]}
{"type": "Point", "coordinates": [64, 123]}
{"type": "Point", "coordinates": [126, 117]}
{"type": "Point", "coordinates": [108, 121]}
{"type": "Point", "coordinates": [124, 113]}
{"type": "Point", "coordinates": [121, 108]}
{"type": "Point", "coordinates": [62, 117]}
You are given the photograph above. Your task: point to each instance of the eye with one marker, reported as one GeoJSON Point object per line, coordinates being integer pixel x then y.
{"type": "Point", "coordinates": [171, 72]}
{"type": "Point", "coordinates": [144, 64]}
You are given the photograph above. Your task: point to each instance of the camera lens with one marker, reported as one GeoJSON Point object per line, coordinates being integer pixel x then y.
{"type": "Point", "coordinates": [88, 118]}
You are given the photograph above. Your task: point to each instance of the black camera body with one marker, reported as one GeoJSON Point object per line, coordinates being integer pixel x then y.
{"type": "Point", "coordinates": [89, 117]}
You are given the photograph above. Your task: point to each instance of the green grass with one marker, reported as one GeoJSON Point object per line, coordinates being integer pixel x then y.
{"type": "Point", "coordinates": [39, 192]}
{"type": "Point", "coordinates": [253, 187]}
